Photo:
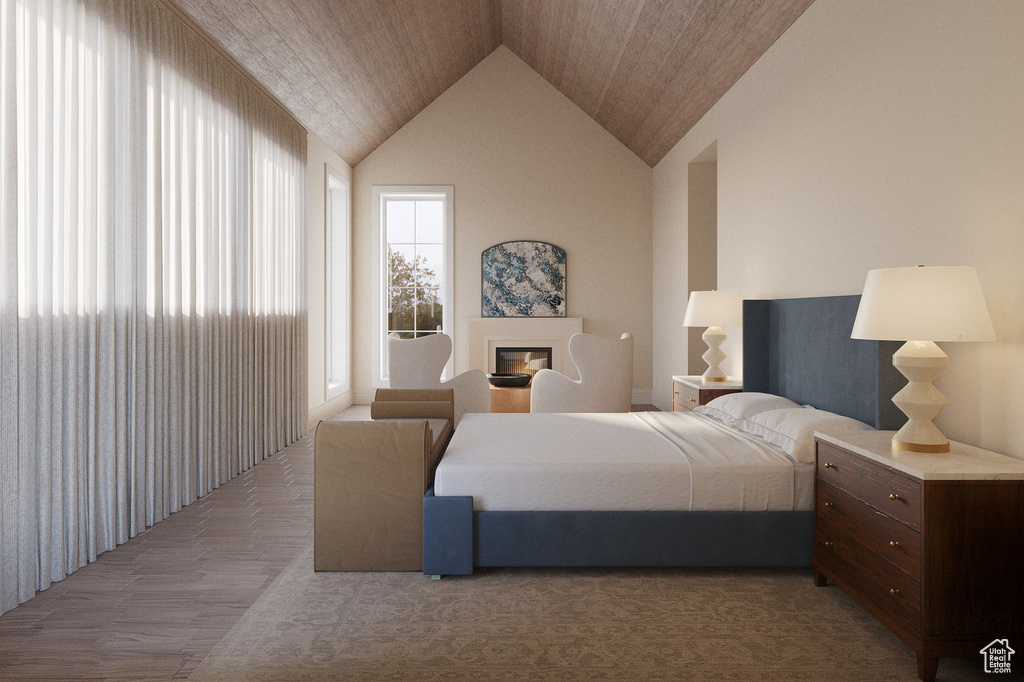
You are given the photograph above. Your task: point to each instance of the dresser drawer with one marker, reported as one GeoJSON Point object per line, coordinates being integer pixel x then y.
{"type": "Point", "coordinates": [883, 488]}
{"type": "Point", "coordinates": [684, 397]}
{"type": "Point", "coordinates": [891, 540]}
{"type": "Point", "coordinates": [887, 588]}
{"type": "Point", "coordinates": [952, 583]}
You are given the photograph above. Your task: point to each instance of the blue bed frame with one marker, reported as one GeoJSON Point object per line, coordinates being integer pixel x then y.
{"type": "Point", "coordinates": [799, 348]}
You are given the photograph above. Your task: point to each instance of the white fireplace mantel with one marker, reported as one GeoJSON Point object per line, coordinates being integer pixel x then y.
{"type": "Point", "coordinates": [488, 333]}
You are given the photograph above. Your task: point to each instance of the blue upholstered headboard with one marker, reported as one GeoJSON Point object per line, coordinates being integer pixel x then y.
{"type": "Point", "coordinates": [801, 348]}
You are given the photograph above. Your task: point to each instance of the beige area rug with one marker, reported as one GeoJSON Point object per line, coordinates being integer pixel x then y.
{"type": "Point", "coordinates": [561, 624]}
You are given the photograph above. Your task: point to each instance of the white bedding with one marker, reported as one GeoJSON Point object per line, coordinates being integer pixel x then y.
{"type": "Point", "coordinates": [630, 461]}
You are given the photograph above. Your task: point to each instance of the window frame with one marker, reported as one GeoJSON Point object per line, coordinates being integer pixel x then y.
{"type": "Point", "coordinates": [380, 195]}
{"type": "Point", "coordinates": [334, 388]}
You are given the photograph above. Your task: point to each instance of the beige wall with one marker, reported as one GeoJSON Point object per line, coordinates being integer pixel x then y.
{"type": "Point", "coordinates": [701, 243]}
{"type": "Point", "coordinates": [872, 134]}
{"type": "Point", "coordinates": [526, 163]}
{"type": "Point", "coordinates": [318, 157]}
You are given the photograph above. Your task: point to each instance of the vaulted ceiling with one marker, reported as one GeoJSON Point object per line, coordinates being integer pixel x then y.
{"type": "Point", "coordinates": [355, 71]}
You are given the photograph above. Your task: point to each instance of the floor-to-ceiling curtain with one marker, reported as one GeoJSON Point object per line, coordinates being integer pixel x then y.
{"type": "Point", "coordinates": [152, 305]}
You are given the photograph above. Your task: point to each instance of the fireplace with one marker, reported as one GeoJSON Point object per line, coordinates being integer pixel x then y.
{"type": "Point", "coordinates": [487, 334]}
{"type": "Point", "coordinates": [522, 359]}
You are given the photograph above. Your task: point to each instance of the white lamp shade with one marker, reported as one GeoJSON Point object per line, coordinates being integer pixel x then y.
{"type": "Point", "coordinates": [923, 304]}
{"type": "Point", "coordinates": [714, 309]}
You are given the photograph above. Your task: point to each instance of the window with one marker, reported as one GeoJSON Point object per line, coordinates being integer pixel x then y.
{"type": "Point", "coordinates": [413, 260]}
{"type": "Point", "coordinates": [152, 295]}
{"type": "Point", "coordinates": [337, 299]}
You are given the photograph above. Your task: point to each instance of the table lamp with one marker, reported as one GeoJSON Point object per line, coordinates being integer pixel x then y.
{"type": "Point", "coordinates": [714, 310]}
{"type": "Point", "coordinates": [922, 305]}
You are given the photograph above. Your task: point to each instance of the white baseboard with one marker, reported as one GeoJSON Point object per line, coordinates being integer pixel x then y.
{"type": "Point", "coordinates": [642, 397]}
{"type": "Point", "coordinates": [662, 404]}
{"type": "Point", "coordinates": [328, 409]}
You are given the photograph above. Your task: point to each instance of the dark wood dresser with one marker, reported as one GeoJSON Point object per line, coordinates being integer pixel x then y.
{"type": "Point", "coordinates": [690, 391]}
{"type": "Point", "coordinates": [930, 545]}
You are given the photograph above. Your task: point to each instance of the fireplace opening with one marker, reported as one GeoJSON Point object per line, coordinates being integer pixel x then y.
{"type": "Point", "coordinates": [521, 360]}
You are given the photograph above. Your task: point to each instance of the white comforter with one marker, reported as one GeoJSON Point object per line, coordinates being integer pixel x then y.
{"type": "Point", "coordinates": [635, 461]}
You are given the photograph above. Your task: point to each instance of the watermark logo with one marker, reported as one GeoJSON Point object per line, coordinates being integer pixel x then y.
{"type": "Point", "coordinates": [997, 656]}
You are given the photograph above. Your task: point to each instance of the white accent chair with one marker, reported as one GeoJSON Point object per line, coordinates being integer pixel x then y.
{"type": "Point", "coordinates": [418, 363]}
{"type": "Point", "coordinates": [606, 378]}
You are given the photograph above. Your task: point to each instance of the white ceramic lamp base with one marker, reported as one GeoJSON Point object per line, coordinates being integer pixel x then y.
{"type": "Point", "coordinates": [920, 362]}
{"type": "Point", "coordinates": [714, 337]}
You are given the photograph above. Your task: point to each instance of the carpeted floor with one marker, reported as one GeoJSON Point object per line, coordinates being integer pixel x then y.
{"type": "Point", "coordinates": [534, 624]}
{"type": "Point", "coordinates": [224, 590]}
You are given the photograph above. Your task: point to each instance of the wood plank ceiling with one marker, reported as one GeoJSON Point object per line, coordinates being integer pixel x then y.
{"type": "Point", "coordinates": [355, 71]}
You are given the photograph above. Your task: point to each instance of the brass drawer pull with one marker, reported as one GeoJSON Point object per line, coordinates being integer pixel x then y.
{"type": "Point", "coordinates": [894, 496]}
{"type": "Point", "coordinates": [894, 543]}
{"type": "Point", "coordinates": [829, 543]}
{"type": "Point", "coordinates": [894, 592]}
{"type": "Point", "coordinates": [829, 504]}
{"type": "Point", "coordinates": [830, 465]}
{"type": "Point", "coordinates": [692, 400]}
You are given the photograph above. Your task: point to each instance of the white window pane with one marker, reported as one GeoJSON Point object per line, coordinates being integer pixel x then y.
{"type": "Point", "coordinates": [430, 222]}
{"type": "Point", "coordinates": [401, 309]}
{"type": "Point", "coordinates": [429, 309]}
{"type": "Point", "coordinates": [401, 265]}
{"type": "Point", "coordinates": [401, 221]}
{"type": "Point", "coordinates": [430, 264]}
{"type": "Point", "coordinates": [415, 301]}
{"type": "Point", "coordinates": [338, 290]}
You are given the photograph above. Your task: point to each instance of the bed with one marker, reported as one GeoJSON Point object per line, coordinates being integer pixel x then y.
{"type": "Point", "coordinates": [551, 490]}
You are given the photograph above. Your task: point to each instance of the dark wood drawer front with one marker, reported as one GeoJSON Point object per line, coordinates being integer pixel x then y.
{"type": "Point", "coordinates": [891, 540]}
{"type": "Point", "coordinates": [888, 491]}
{"type": "Point", "coordinates": [889, 589]}
{"type": "Point", "coordinates": [952, 583]}
{"type": "Point", "coordinates": [708, 394]}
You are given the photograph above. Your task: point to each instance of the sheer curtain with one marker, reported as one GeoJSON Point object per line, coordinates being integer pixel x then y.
{"type": "Point", "coordinates": [152, 305]}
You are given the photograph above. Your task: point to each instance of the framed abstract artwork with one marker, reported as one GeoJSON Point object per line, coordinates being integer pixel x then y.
{"type": "Point", "coordinates": [523, 279]}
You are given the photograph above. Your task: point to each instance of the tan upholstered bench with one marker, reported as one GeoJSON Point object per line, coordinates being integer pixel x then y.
{"type": "Point", "coordinates": [369, 481]}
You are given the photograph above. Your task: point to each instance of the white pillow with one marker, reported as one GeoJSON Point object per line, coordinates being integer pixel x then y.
{"type": "Point", "coordinates": [742, 406]}
{"type": "Point", "coordinates": [793, 429]}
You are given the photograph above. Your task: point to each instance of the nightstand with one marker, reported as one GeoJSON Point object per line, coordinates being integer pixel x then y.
{"type": "Point", "coordinates": [690, 391]}
{"type": "Point", "coordinates": [929, 544]}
